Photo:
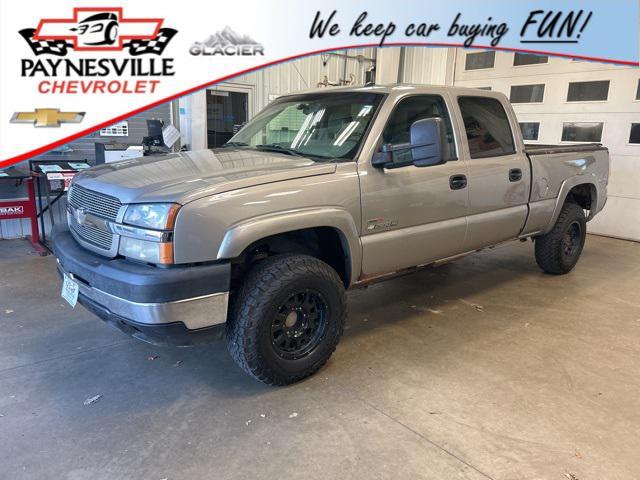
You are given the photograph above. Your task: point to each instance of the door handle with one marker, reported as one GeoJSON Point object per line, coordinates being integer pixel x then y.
{"type": "Point", "coordinates": [515, 174]}
{"type": "Point", "coordinates": [457, 182]}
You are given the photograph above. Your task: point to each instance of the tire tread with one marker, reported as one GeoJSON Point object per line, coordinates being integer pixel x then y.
{"type": "Point", "coordinates": [261, 283]}
{"type": "Point", "coordinates": [548, 246]}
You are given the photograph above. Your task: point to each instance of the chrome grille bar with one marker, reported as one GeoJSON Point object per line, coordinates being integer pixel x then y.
{"type": "Point", "coordinates": [96, 203]}
{"type": "Point", "coordinates": [100, 238]}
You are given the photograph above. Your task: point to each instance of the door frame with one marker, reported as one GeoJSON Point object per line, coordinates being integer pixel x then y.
{"type": "Point", "coordinates": [238, 88]}
{"type": "Point", "coordinates": [506, 212]}
{"type": "Point", "coordinates": [199, 109]}
{"type": "Point", "coordinates": [376, 245]}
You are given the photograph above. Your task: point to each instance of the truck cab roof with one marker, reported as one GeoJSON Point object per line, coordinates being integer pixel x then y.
{"type": "Point", "coordinates": [401, 89]}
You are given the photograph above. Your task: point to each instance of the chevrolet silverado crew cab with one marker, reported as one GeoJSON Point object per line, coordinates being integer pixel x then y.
{"type": "Point", "coordinates": [320, 192]}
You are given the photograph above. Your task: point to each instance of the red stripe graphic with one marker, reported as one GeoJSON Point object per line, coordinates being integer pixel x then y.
{"type": "Point", "coordinates": [51, 146]}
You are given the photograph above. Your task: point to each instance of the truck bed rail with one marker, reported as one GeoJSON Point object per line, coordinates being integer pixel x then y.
{"type": "Point", "coordinates": [539, 149]}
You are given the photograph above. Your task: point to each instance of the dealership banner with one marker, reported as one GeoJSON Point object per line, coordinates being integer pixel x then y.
{"type": "Point", "coordinates": [72, 67]}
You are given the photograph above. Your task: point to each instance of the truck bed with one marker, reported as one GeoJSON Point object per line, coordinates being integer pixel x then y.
{"type": "Point", "coordinates": [543, 149]}
{"type": "Point", "coordinates": [556, 169]}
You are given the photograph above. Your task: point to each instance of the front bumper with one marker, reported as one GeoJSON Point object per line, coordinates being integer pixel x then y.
{"type": "Point", "coordinates": [176, 305]}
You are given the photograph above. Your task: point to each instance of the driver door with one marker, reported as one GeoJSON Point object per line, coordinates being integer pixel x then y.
{"type": "Point", "coordinates": [413, 215]}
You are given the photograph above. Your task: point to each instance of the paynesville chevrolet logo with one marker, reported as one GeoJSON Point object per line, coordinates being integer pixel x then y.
{"type": "Point", "coordinates": [93, 28]}
{"type": "Point", "coordinates": [47, 117]}
{"type": "Point", "coordinates": [118, 54]}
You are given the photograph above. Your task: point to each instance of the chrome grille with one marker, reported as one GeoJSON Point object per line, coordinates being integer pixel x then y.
{"type": "Point", "coordinates": [100, 238]}
{"type": "Point", "coordinates": [95, 203]}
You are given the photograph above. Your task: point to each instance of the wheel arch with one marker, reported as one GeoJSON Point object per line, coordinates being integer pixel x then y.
{"type": "Point", "coordinates": [581, 189]}
{"type": "Point", "coordinates": [332, 229]}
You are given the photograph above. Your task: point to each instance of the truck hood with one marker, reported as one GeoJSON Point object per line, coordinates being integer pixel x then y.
{"type": "Point", "coordinates": [186, 176]}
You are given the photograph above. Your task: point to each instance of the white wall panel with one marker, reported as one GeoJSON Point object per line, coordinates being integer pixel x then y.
{"type": "Point", "coordinates": [387, 65]}
{"type": "Point", "coordinates": [305, 74]}
{"type": "Point", "coordinates": [430, 66]}
{"type": "Point", "coordinates": [17, 228]}
{"type": "Point", "coordinates": [620, 218]}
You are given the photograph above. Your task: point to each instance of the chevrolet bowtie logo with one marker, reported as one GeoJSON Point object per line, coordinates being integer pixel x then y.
{"type": "Point", "coordinates": [47, 117]}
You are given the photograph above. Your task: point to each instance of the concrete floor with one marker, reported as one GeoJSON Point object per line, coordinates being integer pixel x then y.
{"type": "Point", "coordinates": [485, 368]}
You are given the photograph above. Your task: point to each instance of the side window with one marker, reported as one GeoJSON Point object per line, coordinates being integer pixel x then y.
{"type": "Point", "coordinates": [487, 127]}
{"type": "Point", "coordinates": [408, 111]}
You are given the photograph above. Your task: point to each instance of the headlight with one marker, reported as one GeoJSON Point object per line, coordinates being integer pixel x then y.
{"type": "Point", "coordinates": [145, 232]}
{"type": "Point", "coordinates": [146, 251]}
{"type": "Point", "coordinates": [159, 216]}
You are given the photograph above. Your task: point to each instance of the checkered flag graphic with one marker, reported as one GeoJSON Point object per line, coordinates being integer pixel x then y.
{"type": "Point", "coordinates": [45, 47]}
{"type": "Point", "coordinates": [155, 46]}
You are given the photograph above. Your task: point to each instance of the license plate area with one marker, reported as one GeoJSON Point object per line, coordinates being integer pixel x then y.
{"type": "Point", "coordinates": [70, 290]}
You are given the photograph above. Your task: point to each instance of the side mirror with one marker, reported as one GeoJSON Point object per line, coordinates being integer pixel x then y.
{"type": "Point", "coordinates": [383, 158]}
{"type": "Point", "coordinates": [425, 142]}
{"type": "Point", "coordinates": [425, 146]}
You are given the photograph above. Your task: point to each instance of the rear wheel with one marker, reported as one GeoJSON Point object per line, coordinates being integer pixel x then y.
{"type": "Point", "coordinates": [287, 318]}
{"type": "Point", "coordinates": [558, 251]}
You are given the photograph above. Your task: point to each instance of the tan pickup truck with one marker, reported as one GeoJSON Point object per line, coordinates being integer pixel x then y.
{"type": "Point", "coordinates": [320, 192]}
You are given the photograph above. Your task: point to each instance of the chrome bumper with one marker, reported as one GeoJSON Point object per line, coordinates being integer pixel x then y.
{"type": "Point", "coordinates": [194, 313]}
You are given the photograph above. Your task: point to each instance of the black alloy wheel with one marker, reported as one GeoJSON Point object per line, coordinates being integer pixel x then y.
{"type": "Point", "coordinates": [299, 325]}
{"type": "Point", "coordinates": [571, 240]}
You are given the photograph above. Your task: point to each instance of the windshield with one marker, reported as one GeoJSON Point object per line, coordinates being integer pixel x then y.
{"type": "Point", "coordinates": [323, 125]}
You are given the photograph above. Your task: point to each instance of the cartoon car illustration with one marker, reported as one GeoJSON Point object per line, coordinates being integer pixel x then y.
{"type": "Point", "coordinates": [98, 29]}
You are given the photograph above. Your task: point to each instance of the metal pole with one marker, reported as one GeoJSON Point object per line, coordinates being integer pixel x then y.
{"type": "Point", "coordinates": [401, 65]}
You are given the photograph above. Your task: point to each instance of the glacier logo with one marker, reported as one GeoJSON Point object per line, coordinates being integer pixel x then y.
{"type": "Point", "coordinates": [229, 43]}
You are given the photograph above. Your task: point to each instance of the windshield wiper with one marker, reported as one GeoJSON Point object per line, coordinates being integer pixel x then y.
{"type": "Point", "coordinates": [273, 147]}
{"type": "Point", "coordinates": [235, 144]}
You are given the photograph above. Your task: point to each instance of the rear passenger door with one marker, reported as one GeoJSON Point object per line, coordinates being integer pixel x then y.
{"type": "Point", "coordinates": [499, 172]}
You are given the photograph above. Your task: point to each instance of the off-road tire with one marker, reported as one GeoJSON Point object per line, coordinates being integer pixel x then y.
{"type": "Point", "coordinates": [551, 248]}
{"type": "Point", "coordinates": [260, 299]}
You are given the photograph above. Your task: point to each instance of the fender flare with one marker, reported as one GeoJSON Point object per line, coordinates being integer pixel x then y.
{"type": "Point", "coordinates": [240, 235]}
{"type": "Point", "coordinates": [571, 182]}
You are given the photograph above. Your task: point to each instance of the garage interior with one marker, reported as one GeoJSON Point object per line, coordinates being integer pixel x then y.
{"type": "Point", "coordinates": [482, 368]}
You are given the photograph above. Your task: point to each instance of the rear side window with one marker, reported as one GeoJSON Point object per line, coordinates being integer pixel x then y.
{"type": "Point", "coordinates": [412, 109]}
{"type": "Point", "coordinates": [487, 127]}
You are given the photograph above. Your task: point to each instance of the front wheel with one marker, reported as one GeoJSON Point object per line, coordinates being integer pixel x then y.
{"type": "Point", "coordinates": [287, 319]}
{"type": "Point", "coordinates": [558, 251]}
